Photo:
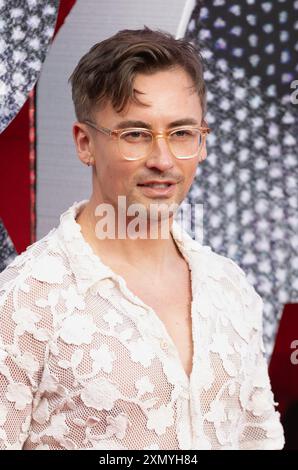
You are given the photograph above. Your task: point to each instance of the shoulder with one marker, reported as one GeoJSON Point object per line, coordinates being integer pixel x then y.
{"type": "Point", "coordinates": [27, 284]}
{"type": "Point", "coordinates": [42, 256]}
{"type": "Point", "coordinates": [213, 264]}
{"type": "Point", "coordinates": [231, 282]}
{"type": "Point", "coordinates": [30, 291]}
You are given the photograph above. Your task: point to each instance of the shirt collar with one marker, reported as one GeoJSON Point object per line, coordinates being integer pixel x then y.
{"type": "Point", "coordinates": [86, 266]}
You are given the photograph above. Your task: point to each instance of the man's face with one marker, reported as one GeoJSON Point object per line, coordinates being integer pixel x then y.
{"type": "Point", "coordinates": [170, 99]}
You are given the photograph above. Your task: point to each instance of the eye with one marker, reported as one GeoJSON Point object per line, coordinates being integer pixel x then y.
{"type": "Point", "coordinates": [183, 133]}
{"type": "Point", "coordinates": [136, 136]}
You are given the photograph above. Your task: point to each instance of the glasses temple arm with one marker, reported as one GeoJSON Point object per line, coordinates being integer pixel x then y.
{"type": "Point", "coordinates": [99, 128]}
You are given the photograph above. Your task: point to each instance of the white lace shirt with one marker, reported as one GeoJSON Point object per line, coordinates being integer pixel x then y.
{"type": "Point", "coordinates": [85, 364]}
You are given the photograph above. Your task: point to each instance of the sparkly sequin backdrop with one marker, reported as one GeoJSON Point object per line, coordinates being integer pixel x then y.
{"type": "Point", "coordinates": [26, 29]}
{"type": "Point", "coordinates": [249, 182]}
{"type": "Point", "coordinates": [7, 250]}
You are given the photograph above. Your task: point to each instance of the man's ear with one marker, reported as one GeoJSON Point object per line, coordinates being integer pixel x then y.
{"type": "Point", "coordinates": [83, 142]}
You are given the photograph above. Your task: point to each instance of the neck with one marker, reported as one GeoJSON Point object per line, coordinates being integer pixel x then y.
{"type": "Point", "coordinates": [153, 254]}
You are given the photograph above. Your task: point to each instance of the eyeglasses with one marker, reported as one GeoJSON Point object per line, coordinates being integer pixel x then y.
{"type": "Point", "coordinates": [137, 143]}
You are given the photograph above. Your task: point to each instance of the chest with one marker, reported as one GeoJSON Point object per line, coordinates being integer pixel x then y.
{"type": "Point", "coordinates": [171, 302]}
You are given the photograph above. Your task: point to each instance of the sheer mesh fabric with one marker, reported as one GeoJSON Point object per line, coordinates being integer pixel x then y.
{"type": "Point", "coordinates": [84, 363]}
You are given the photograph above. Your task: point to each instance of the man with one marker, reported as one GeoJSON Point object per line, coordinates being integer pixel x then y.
{"type": "Point", "coordinates": [125, 342]}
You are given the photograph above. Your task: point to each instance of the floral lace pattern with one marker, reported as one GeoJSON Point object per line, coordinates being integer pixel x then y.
{"type": "Point", "coordinates": [83, 362]}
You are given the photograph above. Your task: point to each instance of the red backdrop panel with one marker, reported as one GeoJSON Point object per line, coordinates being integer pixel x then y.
{"type": "Point", "coordinates": [283, 370]}
{"type": "Point", "coordinates": [17, 208]}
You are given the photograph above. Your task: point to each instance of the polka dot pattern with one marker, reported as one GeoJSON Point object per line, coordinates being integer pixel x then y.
{"type": "Point", "coordinates": [26, 29]}
{"type": "Point", "coordinates": [7, 251]}
{"type": "Point", "coordinates": [249, 182]}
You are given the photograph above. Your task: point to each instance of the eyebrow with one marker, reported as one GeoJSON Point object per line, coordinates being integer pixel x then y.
{"type": "Point", "coordinates": [145, 125]}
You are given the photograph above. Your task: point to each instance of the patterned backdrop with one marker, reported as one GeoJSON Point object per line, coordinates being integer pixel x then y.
{"type": "Point", "coordinates": [249, 182]}
{"type": "Point", "coordinates": [7, 250]}
{"type": "Point", "coordinates": [26, 29]}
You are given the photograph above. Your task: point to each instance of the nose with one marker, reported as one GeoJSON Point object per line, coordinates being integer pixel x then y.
{"type": "Point", "coordinates": [160, 156]}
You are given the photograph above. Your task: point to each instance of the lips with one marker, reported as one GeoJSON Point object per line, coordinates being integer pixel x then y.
{"type": "Point", "coordinates": [156, 185]}
{"type": "Point", "coordinates": [157, 189]}
{"type": "Point", "coordinates": [161, 184]}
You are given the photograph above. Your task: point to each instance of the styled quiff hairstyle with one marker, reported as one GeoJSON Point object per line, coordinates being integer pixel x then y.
{"type": "Point", "coordinates": [108, 70]}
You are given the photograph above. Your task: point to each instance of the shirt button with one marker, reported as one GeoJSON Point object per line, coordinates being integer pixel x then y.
{"type": "Point", "coordinates": [163, 344]}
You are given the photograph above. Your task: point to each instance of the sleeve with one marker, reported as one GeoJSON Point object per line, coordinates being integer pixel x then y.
{"type": "Point", "coordinates": [261, 426]}
{"type": "Point", "coordinates": [24, 334]}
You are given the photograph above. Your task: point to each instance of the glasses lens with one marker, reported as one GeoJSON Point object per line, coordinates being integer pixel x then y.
{"type": "Point", "coordinates": [185, 143]}
{"type": "Point", "coordinates": [135, 144]}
